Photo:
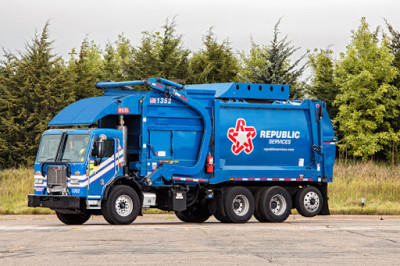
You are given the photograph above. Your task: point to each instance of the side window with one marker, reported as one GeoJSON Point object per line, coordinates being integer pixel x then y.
{"type": "Point", "coordinates": [109, 148]}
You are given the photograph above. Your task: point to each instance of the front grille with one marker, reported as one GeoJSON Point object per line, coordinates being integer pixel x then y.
{"type": "Point", "coordinates": [57, 176]}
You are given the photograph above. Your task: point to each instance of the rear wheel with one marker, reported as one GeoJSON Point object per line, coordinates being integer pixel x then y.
{"type": "Point", "coordinates": [70, 219]}
{"type": "Point", "coordinates": [194, 214]}
{"type": "Point", "coordinates": [309, 201]}
{"type": "Point", "coordinates": [274, 204]}
{"type": "Point", "coordinates": [238, 204]}
{"type": "Point", "coordinates": [220, 213]}
{"type": "Point", "coordinates": [257, 214]}
{"type": "Point", "coordinates": [222, 218]}
{"type": "Point", "coordinates": [122, 205]}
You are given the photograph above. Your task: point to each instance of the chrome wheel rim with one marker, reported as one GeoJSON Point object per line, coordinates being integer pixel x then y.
{"type": "Point", "coordinates": [240, 205]}
{"type": "Point", "coordinates": [311, 201]}
{"type": "Point", "coordinates": [124, 205]}
{"type": "Point", "coordinates": [277, 204]}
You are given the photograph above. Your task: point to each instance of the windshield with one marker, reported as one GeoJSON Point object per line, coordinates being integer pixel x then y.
{"type": "Point", "coordinates": [75, 148]}
{"type": "Point", "coordinates": [48, 148]}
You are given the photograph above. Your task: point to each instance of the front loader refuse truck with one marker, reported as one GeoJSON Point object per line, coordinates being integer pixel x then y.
{"type": "Point", "coordinates": [229, 149]}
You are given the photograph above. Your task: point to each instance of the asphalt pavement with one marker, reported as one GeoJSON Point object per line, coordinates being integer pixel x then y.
{"type": "Point", "coordinates": [161, 239]}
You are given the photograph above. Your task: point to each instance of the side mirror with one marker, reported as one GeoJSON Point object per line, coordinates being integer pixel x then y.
{"type": "Point", "coordinates": [100, 148]}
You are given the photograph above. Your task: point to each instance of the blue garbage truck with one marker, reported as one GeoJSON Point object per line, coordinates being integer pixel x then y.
{"type": "Point", "coordinates": [232, 150]}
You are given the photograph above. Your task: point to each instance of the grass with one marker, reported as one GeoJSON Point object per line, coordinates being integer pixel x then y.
{"type": "Point", "coordinates": [15, 185]}
{"type": "Point", "coordinates": [378, 184]}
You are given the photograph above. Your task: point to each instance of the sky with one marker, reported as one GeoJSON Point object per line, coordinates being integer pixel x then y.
{"type": "Point", "coordinates": [309, 24]}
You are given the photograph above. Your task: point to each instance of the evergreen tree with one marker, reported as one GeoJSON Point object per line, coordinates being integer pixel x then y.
{"type": "Point", "coordinates": [125, 52]}
{"type": "Point", "coordinates": [271, 64]}
{"type": "Point", "coordinates": [160, 55]}
{"type": "Point", "coordinates": [117, 58]}
{"type": "Point", "coordinates": [394, 45]}
{"type": "Point", "coordinates": [323, 86]}
{"type": "Point", "coordinates": [34, 90]}
{"type": "Point", "coordinates": [85, 69]}
{"type": "Point", "coordinates": [8, 70]}
{"type": "Point", "coordinates": [367, 101]}
{"type": "Point", "coordinates": [215, 63]}
{"type": "Point", "coordinates": [256, 59]}
{"type": "Point", "coordinates": [145, 59]}
{"type": "Point", "coordinates": [111, 68]}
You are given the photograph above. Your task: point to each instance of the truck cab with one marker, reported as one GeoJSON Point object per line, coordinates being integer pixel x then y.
{"type": "Point", "coordinates": [78, 164]}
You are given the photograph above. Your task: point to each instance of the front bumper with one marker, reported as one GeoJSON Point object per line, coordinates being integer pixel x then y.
{"type": "Point", "coordinates": [55, 201]}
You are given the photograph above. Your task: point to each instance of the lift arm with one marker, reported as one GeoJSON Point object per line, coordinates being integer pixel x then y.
{"type": "Point", "coordinates": [178, 92]}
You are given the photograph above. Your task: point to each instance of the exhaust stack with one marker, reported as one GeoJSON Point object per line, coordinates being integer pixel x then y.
{"type": "Point", "coordinates": [124, 130]}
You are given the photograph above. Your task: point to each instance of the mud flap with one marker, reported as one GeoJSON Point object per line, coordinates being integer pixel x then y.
{"type": "Point", "coordinates": [177, 200]}
{"type": "Point", "coordinates": [325, 206]}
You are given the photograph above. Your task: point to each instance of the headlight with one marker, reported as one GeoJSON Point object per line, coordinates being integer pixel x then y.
{"type": "Point", "coordinates": [39, 181]}
{"type": "Point", "coordinates": [74, 181]}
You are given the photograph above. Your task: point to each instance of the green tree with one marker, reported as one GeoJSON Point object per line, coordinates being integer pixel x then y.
{"type": "Point", "coordinates": [117, 57]}
{"type": "Point", "coordinates": [8, 68]}
{"type": "Point", "coordinates": [323, 86]}
{"type": "Point", "coordinates": [33, 88]}
{"type": "Point", "coordinates": [256, 59]}
{"type": "Point", "coordinates": [111, 68]}
{"type": "Point", "coordinates": [367, 101]}
{"type": "Point", "coordinates": [271, 64]}
{"type": "Point", "coordinates": [215, 63]}
{"type": "Point", "coordinates": [85, 69]}
{"type": "Point", "coordinates": [160, 55]}
{"type": "Point", "coordinates": [394, 46]}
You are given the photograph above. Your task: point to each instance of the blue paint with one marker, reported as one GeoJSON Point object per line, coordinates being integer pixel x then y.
{"type": "Point", "coordinates": [172, 128]}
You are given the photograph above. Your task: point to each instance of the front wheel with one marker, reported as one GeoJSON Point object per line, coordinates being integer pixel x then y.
{"type": "Point", "coordinates": [73, 219]}
{"type": "Point", "coordinates": [194, 214]}
{"type": "Point", "coordinates": [309, 201]}
{"type": "Point", "coordinates": [122, 205]}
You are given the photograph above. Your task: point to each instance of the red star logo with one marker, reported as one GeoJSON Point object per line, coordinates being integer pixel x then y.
{"type": "Point", "coordinates": [242, 136]}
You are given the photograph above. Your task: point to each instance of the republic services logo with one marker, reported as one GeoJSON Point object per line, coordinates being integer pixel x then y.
{"type": "Point", "coordinates": [241, 136]}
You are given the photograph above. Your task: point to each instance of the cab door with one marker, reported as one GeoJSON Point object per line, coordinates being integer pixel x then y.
{"type": "Point", "coordinates": [101, 170]}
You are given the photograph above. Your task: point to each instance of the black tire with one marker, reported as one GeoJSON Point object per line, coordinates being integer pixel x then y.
{"type": "Point", "coordinates": [71, 219]}
{"type": "Point", "coordinates": [122, 206]}
{"type": "Point", "coordinates": [105, 213]}
{"type": "Point", "coordinates": [274, 204]}
{"type": "Point", "coordinates": [219, 213]}
{"type": "Point", "coordinates": [222, 218]}
{"type": "Point", "coordinates": [309, 201]}
{"type": "Point", "coordinates": [257, 214]}
{"type": "Point", "coordinates": [238, 204]}
{"type": "Point", "coordinates": [194, 214]}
